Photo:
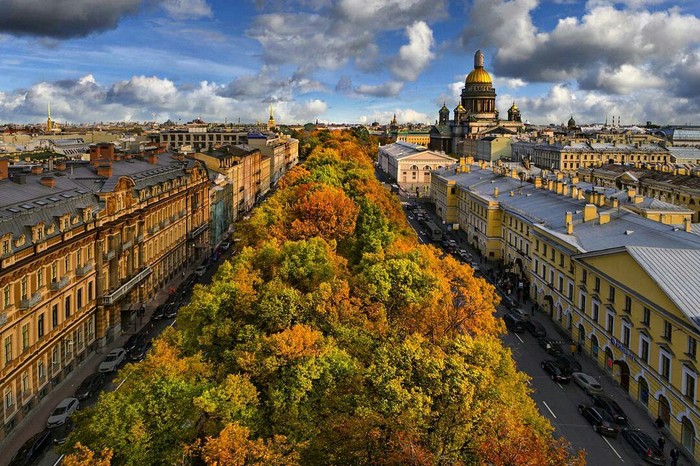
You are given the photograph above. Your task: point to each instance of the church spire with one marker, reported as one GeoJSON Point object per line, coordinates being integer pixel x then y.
{"type": "Point", "coordinates": [271, 121]}
{"type": "Point", "coordinates": [478, 60]}
{"type": "Point", "coordinates": [49, 123]}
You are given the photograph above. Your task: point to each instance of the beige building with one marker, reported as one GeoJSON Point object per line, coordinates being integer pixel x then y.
{"type": "Point", "coordinates": [282, 150]}
{"type": "Point", "coordinates": [411, 165]}
{"type": "Point", "coordinates": [83, 245]}
{"type": "Point", "coordinates": [420, 138]}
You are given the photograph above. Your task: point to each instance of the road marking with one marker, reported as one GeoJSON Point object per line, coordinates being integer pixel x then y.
{"type": "Point", "coordinates": [549, 409]}
{"type": "Point", "coordinates": [560, 386]}
{"type": "Point", "coordinates": [122, 382]}
{"type": "Point", "coordinates": [58, 461]}
{"type": "Point", "coordinates": [518, 337]}
{"type": "Point", "coordinates": [173, 323]}
{"type": "Point", "coordinates": [612, 448]}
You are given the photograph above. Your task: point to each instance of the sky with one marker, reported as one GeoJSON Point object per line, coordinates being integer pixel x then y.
{"type": "Point", "coordinates": [346, 61]}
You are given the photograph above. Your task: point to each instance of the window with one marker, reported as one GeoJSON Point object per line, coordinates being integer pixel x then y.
{"type": "Point", "coordinates": [66, 264]}
{"type": "Point", "coordinates": [25, 383]}
{"type": "Point", "coordinates": [41, 370]}
{"type": "Point", "coordinates": [5, 247]}
{"type": "Point", "coordinates": [40, 277]}
{"type": "Point", "coordinates": [582, 299]}
{"type": "Point", "coordinates": [596, 287]}
{"type": "Point", "coordinates": [67, 308]}
{"type": "Point", "coordinates": [610, 322]}
{"type": "Point", "coordinates": [561, 259]}
{"type": "Point", "coordinates": [626, 332]}
{"type": "Point", "coordinates": [595, 310]}
{"type": "Point", "coordinates": [6, 296]}
{"type": "Point", "coordinates": [9, 401]}
{"type": "Point", "coordinates": [667, 330]}
{"type": "Point", "coordinates": [40, 326]}
{"type": "Point", "coordinates": [537, 265]}
{"type": "Point", "coordinates": [79, 298]}
{"type": "Point", "coordinates": [55, 359]}
{"type": "Point", "coordinates": [664, 365]}
{"type": "Point", "coordinates": [646, 317]}
{"type": "Point", "coordinates": [628, 304]}
{"type": "Point", "coordinates": [89, 296]}
{"type": "Point", "coordinates": [25, 337]}
{"type": "Point", "coordinates": [688, 387]}
{"type": "Point", "coordinates": [551, 277]}
{"type": "Point", "coordinates": [79, 257]}
{"type": "Point", "coordinates": [54, 316]}
{"type": "Point", "coordinates": [54, 271]}
{"type": "Point", "coordinates": [692, 347]}
{"type": "Point", "coordinates": [8, 349]}
{"type": "Point", "coordinates": [561, 283]}
{"type": "Point", "coordinates": [584, 276]}
{"type": "Point", "coordinates": [611, 294]}
{"type": "Point", "coordinates": [570, 294]}
{"type": "Point", "coordinates": [23, 287]}
{"type": "Point", "coordinates": [90, 327]}
{"type": "Point", "coordinates": [79, 338]}
{"type": "Point", "coordinates": [644, 348]}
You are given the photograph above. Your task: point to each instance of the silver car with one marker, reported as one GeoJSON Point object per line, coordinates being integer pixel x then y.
{"type": "Point", "coordinates": [62, 412]}
{"type": "Point", "coordinates": [588, 383]}
{"type": "Point", "coordinates": [113, 360]}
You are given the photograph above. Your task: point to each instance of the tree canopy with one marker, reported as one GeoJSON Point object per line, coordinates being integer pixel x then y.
{"type": "Point", "coordinates": [332, 338]}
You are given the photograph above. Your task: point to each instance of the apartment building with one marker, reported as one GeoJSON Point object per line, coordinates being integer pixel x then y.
{"type": "Point", "coordinates": [282, 150]}
{"type": "Point", "coordinates": [83, 245]}
{"type": "Point", "coordinates": [623, 285]}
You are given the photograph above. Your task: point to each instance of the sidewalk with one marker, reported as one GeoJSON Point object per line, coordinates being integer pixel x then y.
{"type": "Point", "coordinates": [35, 421]}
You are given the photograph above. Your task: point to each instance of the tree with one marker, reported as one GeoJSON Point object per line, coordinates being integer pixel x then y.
{"type": "Point", "coordinates": [83, 456]}
{"type": "Point", "coordinates": [233, 447]}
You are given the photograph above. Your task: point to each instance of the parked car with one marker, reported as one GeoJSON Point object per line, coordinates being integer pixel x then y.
{"type": "Point", "coordinates": [555, 372]}
{"type": "Point", "coordinates": [611, 407]}
{"type": "Point", "coordinates": [90, 386]}
{"type": "Point", "coordinates": [225, 245]}
{"type": "Point", "coordinates": [588, 383]}
{"type": "Point", "coordinates": [647, 448]}
{"type": "Point", "coordinates": [200, 271]}
{"type": "Point", "coordinates": [62, 412]}
{"type": "Point", "coordinates": [133, 341]}
{"type": "Point", "coordinates": [514, 323]}
{"type": "Point", "coordinates": [599, 419]}
{"type": "Point", "coordinates": [550, 346]}
{"type": "Point", "coordinates": [61, 433]}
{"type": "Point", "coordinates": [159, 313]}
{"type": "Point", "coordinates": [475, 266]}
{"type": "Point", "coordinates": [569, 364]}
{"type": "Point", "coordinates": [139, 353]}
{"type": "Point", "coordinates": [113, 360]}
{"type": "Point", "coordinates": [535, 328]}
{"type": "Point", "coordinates": [32, 449]}
{"type": "Point", "coordinates": [171, 310]}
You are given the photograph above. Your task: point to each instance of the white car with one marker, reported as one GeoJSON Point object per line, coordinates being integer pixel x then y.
{"type": "Point", "coordinates": [475, 266]}
{"type": "Point", "coordinates": [200, 271]}
{"type": "Point", "coordinates": [62, 412]}
{"type": "Point", "coordinates": [588, 383]}
{"type": "Point", "coordinates": [113, 360]}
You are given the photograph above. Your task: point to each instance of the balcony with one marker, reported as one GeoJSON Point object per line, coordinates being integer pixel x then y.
{"type": "Point", "coordinates": [31, 301]}
{"type": "Point", "coordinates": [109, 255]}
{"type": "Point", "coordinates": [84, 270]}
{"type": "Point", "coordinates": [108, 299]}
{"type": "Point", "coordinates": [139, 239]}
{"type": "Point", "coordinates": [198, 231]}
{"type": "Point", "coordinates": [165, 223]}
{"type": "Point", "coordinates": [127, 245]}
{"type": "Point", "coordinates": [154, 229]}
{"type": "Point", "coordinates": [59, 284]}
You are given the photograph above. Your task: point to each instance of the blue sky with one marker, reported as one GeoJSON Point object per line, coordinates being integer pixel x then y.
{"type": "Point", "coordinates": [346, 60]}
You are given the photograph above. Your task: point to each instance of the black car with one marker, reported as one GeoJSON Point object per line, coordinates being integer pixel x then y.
{"type": "Point", "coordinates": [535, 328]}
{"type": "Point", "coordinates": [159, 313]}
{"type": "Point", "coordinates": [550, 346]}
{"type": "Point", "coordinates": [599, 419]}
{"type": "Point", "coordinates": [171, 310]}
{"type": "Point", "coordinates": [610, 406]}
{"type": "Point", "coordinates": [514, 323]}
{"type": "Point", "coordinates": [139, 353]}
{"type": "Point", "coordinates": [569, 364]}
{"type": "Point", "coordinates": [555, 372]}
{"type": "Point", "coordinates": [90, 386]}
{"type": "Point", "coordinates": [32, 449]}
{"type": "Point", "coordinates": [647, 448]}
{"type": "Point", "coordinates": [61, 433]}
{"type": "Point", "coordinates": [134, 341]}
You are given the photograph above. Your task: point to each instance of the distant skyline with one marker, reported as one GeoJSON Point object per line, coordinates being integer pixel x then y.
{"type": "Point", "coordinates": [352, 61]}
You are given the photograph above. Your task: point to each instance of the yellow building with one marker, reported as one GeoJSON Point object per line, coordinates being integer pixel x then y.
{"type": "Point", "coordinates": [421, 138]}
{"type": "Point", "coordinates": [83, 245]}
{"type": "Point", "coordinates": [624, 285]}
{"type": "Point", "coordinates": [282, 150]}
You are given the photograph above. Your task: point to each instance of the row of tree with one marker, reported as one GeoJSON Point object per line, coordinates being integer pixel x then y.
{"type": "Point", "coordinates": [332, 338]}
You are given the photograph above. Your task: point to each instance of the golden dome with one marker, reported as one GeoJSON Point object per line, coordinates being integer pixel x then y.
{"type": "Point", "coordinates": [514, 107]}
{"type": "Point", "coordinates": [478, 76]}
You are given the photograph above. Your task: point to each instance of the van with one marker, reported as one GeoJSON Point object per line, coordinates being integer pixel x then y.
{"type": "Point", "coordinates": [514, 323]}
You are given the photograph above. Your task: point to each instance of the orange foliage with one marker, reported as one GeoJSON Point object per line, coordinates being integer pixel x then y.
{"type": "Point", "coordinates": [83, 456]}
{"type": "Point", "coordinates": [293, 176]}
{"type": "Point", "coordinates": [296, 342]}
{"type": "Point", "coordinates": [233, 448]}
{"type": "Point", "coordinates": [323, 211]}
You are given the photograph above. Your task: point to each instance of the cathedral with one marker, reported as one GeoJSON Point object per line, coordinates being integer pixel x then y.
{"type": "Point", "coordinates": [476, 115]}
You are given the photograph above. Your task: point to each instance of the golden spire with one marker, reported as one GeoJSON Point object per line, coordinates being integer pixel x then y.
{"type": "Point", "coordinates": [271, 117]}
{"type": "Point", "coordinates": [49, 123]}
{"type": "Point", "coordinates": [271, 121]}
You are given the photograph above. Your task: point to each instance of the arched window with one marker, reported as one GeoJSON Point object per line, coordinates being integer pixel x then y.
{"type": "Point", "coordinates": [581, 335]}
{"type": "Point", "coordinates": [643, 391]}
{"type": "Point", "coordinates": [664, 409]}
{"type": "Point", "coordinates": [594, 347]}
{"type": "Point", "coordinates": [688, 435]}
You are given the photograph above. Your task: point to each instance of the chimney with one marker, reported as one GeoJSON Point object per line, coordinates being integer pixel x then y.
{"type": "Point", "coordinates": [514, 174]}
{"type": "Point", "coordinates": [631, 192]}
{"type": "Point", "coordinates": [50, 166]}
{"type": "Point", "coordinates": [466, 168]}
{"type": "Point", "coordinates": [560, 187]}
{"type": "Point", "coordinates": [565, 190]}
{"type": "Point", "coordinates": [37, 169]}
{"type": "Point", "coordinates": [569, 228]}
{"type": "Point", "coordinates": [48, 180]}
{"type": "Point", "coordinates": [550, 185]}
{"type": "Point", "coordinates": [104, 169]}
{"type": "Point", "coordinates": [538, 182]}
{"type": "Point", "coordinates": [61, 165]}
{"type": "Point", "coordinates": [615, 202]}
{"type": "Point", "coordinates": [495, 192]}
{"type": "Point", "coordinates": [574, 192]}
{"type": "Point", "coordinates": [574, 179]}
{"type": "Point", "coordinates": [687, 225]}
{"type": "Point", "coordinates": [569, 218]}
{"type": "Point", "coordinates": [560, 176]}
{"type": "Point", "coordinates": [4, 168]}
{"type": "Point", "coordinates": [103, 151]}
{"type": "Point", "coordinates": [638, 199]}
{"type": "Point", "coordinates": [512, 193]}
{"type": "Point", "coordinates": [601, 200]}
{"type": "Point", "coordinates": [152, 158]}
{"type": "Point", "coordinates": [590, 212]}
{"type": "Point", "coordinates": [604, 218]}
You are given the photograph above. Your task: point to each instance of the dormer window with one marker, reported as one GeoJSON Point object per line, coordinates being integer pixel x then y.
{"type": "Point", "coordinates": [38, 233]}
{"type": "Point", "coordinates": [6, 247]}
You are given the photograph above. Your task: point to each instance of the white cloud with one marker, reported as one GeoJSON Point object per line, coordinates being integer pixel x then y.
{"type": "Point", "coordinates": [417, 54]}
{"type": "Point", "coordinates": [403, 115]}
{"type": "Point", "coordinates": [387, 89]}
{"type": "Point", "coordinates": [187, 9]}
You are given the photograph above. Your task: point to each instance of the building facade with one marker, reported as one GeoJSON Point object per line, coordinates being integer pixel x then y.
{"type": "Point", "coordinates": [623, 285]}
{"type": "Point", "coordinates": [410, 165]}
{"type": "Point", "coordinates": [83, 245]}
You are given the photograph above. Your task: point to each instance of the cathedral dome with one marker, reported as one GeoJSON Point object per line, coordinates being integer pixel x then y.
{"type": "Point", "coordinates": [478, 76]}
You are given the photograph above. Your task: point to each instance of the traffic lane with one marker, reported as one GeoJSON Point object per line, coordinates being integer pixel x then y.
{"type": "Point", "coordinates": [559, 403]}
